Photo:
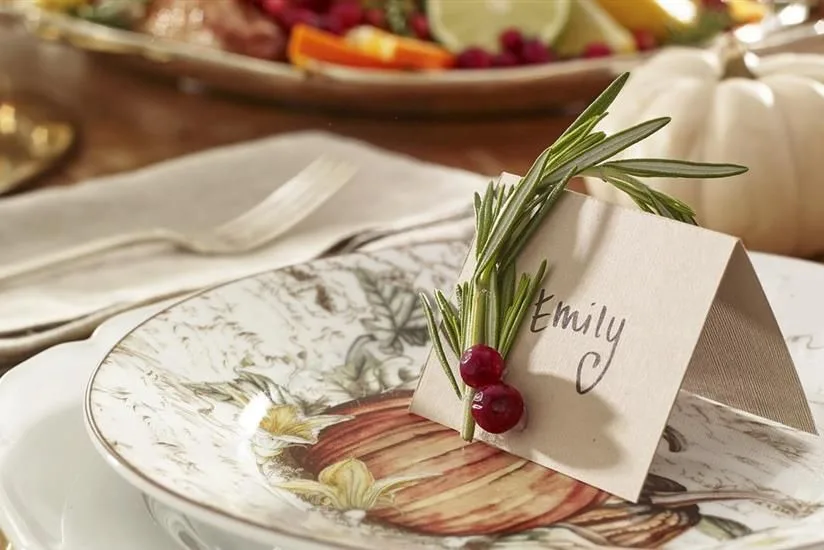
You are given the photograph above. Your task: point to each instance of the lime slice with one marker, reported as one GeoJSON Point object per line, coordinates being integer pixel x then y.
{"type": "Point", "coordinates": [589, 23]}
{"type": "Point", "coordinates": [460, 24]}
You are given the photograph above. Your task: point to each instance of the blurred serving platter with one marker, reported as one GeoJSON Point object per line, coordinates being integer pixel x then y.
{"type": "Point", "coordinates": [349, 61]}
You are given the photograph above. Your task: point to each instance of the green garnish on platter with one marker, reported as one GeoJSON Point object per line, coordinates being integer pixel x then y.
{"type": "Point", "coordinates": [491, 305]}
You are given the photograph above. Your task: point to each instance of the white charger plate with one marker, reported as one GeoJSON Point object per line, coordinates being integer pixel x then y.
{"type": "Point", "coordinates": [57, 494]}
{"type": "Point", "coordinates": [55, 491]}
{"type": "Point", "coordinates": [275, 408]}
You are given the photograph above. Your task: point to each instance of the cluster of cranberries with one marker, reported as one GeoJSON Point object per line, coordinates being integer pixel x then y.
{"type": "Point", "coordinates": [497, 407]}
{"type": "Point", "coordinates": [517, 50]}
{"type": "Point", "coordinates": [335, 16]}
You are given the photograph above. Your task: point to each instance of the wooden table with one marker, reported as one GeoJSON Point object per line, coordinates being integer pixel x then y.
{"type": "Point", "coordinates": [129, 121]}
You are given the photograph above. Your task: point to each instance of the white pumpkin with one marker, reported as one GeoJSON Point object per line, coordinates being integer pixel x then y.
{"type": "Point", "coordinates": [768, 116]}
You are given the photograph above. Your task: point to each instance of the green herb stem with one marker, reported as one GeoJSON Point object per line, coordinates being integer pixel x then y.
{"type": "Point", "coordinates": [468, 425]}
{"type": "Point", "coordinates": [492, 313]}
{"type": "Point", "coordinates": [437, 345]}
{"type": "Point", "coordinates": [511, 331]}
{"type": "Point", "coordinates": [478, 315]}
{"type": "Point", "coordinates": [450, 323]}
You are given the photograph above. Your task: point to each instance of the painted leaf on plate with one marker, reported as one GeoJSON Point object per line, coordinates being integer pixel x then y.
{"type": "Point", "coordinates": [398, 318]}
{"type": "Point", "coordinates": [247, 385]}
{"type": "Point", "coordinates": [363, 374]}
{"type": "Point", "coordinates": [722, 528]}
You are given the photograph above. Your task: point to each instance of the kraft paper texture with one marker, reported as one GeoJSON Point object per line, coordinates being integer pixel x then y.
{"type": "Point", "coordinates": [633, 309]}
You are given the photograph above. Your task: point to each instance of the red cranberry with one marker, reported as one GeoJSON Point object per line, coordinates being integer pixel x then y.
{"type": "Point", "coordinates": [333, 25]}
{"type": "Point", "coordinates": [645, 40]}
{"type": "Point", "coordinates": [512, 41]}
{"type": "Point", "coordinates": [505, 59]}
{"type": "Point", "coordinates": [534, 52]}
{"type": "Point", "coordinates": [291, 17]}
{"type": "Point", "coordinates": [498, 408]}
{"type": "Point", "coordinates": [719, 5]}
{"type": "Point", "coordinates": [317, 6]}
{"type": "Point", "coordinates": [344, 16]}
{"type": "Point", "coordinates": [375, 17]}
{"type": "Point", "coordinates": [274, 8]}
{"type": "Point", "coordinates": [481, 366]}
{"type": "Point", "coordinates": [597, 49]}
{"type": "Point", "coordinates": [420, 26]}
{"type": "Point", "coordinates": [474, 58]}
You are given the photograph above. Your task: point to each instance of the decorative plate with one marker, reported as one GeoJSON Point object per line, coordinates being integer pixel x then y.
{"type": "Point", "coordinates": [275, 407]}
{"type": "Point", "coordinates": [495, 91]}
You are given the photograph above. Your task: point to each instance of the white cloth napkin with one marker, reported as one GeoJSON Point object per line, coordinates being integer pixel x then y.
{"type": "Point", "coordinates": [199, 192]}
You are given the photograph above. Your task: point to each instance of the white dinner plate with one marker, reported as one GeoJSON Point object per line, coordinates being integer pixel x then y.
{"type": "Point", "coordinates": [275, 408]}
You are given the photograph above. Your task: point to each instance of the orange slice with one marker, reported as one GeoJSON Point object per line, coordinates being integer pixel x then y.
{"type": "Point", "coordinates": [307, 44]}
{"type": "Point", "coordinates": [406, 52]}
{"type": "Point", "coordinates": [365, 47]}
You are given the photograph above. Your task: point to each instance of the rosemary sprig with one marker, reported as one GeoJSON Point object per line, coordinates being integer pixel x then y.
{"type": "Point", "coordinates": [491, 305]}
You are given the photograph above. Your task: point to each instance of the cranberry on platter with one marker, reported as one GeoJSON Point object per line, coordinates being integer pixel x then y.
{"type": "Point", "coordinates": [317, 6]}
{"type": "Point", "coordinates": [420, 26]}
{"type": "Point", "coordinates": [535, 52]}
{"type": "Point", "coordinates": [274, 8]}
{"type": "Point", "coordinates": [498, 408]}
{"type": "Point", "coordinates": [474, 58]}
{"type": "Point", "coordinates": [597, 49]}
{"type": "Point", "coordinates": [645, 41]}
{"type": "Point", "coordinates": [343, 16]}
{"type": "Point", "coordinates": [505, 59]}
{"type": "Point", "coordinates": [375, 17]}
{"type": "Point", "coordinates": [512, 41]}
{"type": "Point", "coordinates": [481, 366]}
{"type": "Point", "coordinates": [719, 5]}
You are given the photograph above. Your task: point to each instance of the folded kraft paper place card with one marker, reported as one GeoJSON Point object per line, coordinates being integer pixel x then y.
{"type": "Point", "coordinates": [632, 309]}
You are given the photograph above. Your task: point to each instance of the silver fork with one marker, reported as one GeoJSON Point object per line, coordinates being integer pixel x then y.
{"type": "Point", "coordinates": [287, 206]}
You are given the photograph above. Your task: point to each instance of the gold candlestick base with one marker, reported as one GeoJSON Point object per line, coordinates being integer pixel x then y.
{"type": "Point", "coordinates": [34, 137]}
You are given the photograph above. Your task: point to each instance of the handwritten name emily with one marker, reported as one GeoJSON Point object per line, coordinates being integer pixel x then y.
{"type": "Point", "coordinates": [592, 366]}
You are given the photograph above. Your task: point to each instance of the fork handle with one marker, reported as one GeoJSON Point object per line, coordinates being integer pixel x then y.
{"type": "Point", "coordinates": [86, 250]}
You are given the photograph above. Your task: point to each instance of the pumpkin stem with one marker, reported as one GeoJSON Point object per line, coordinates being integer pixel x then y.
{"type": "Point", "coordinates": [734, 56]}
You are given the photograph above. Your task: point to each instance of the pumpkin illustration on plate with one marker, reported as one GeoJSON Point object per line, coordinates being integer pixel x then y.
{"type": "Point", "coordinates": [449, 488]}
{"type": "Point", "coordinates": [470, 489]}
{"type": "Point", "coordinates": [372, 461]}
{"type": "Point", "coordinates": [341, 439]}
